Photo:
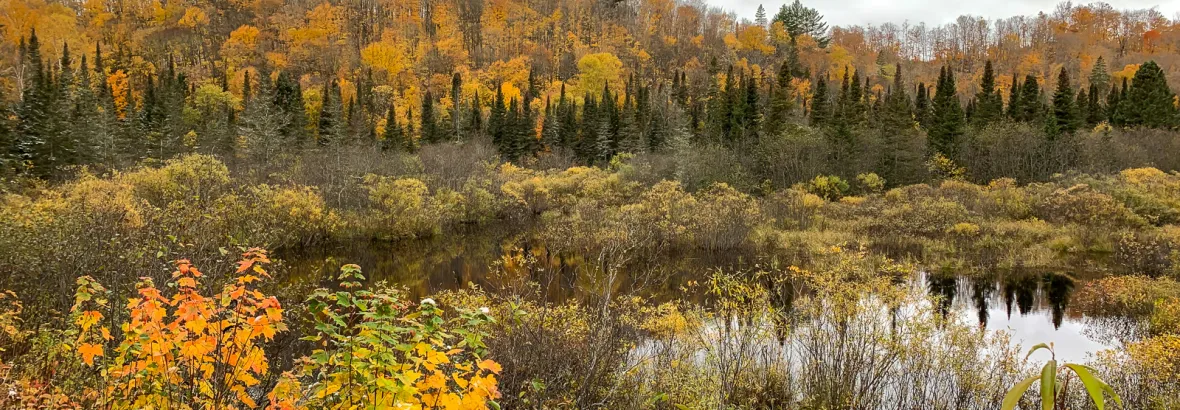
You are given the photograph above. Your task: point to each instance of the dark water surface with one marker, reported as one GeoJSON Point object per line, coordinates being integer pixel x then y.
{"type": "Point", "coordinates": [1034, 306]}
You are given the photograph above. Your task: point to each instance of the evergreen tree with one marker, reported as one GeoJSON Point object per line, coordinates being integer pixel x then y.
{"type": "Point", "coordinates": [475, 118]}
{"type": "Point", "coordinates": [1149, 102]}
{"type": "Point", "coordinates": [34, 122]}
{"type": "Point", "coordinates": [1116, 104]}
{"type": "Point", "coordinates": [1030, 100]}
{"type": "Point", "coordinates": [1099, 75]}
{"type": "Point", "coordinates": [1082, 107]}
{"type": "Point", "coordinates": [897, 113]}
{"type": "Point", "coordinates": [760, 16]}
{"type": "Point", "coordinates": [1015, 111]}
{"type": "Point", "coordinates": [587, 144]}
{"type": "Point", "coordinates": [1064, 110]}
{"type": "Point", "coordinates": [550, 130]}
{"type": "Point", "coordinates": [1096, 112]}
{"type": "Point", "coordinates": [568, 131]}
{"type": "Point", "coordinates": [288, 97]}
{"type": "Point", "coordinates": [821, 109]}
{"type": "Point", "coordinates": [989, 104]}
{"type": "Point", "coordinates": [262, 122]}
{"type": "Point", "coordinates": [393, 139]}
{"type": "Point", "coordinates": [923, 112]}
{"type": "Point", "coordinates": [948, 118]}
{"type": "Point", "coordinates": [799, 20]}
{"type": "Point", "coordinates": [780, 102]}
{"type": "Point", "coordinates": [496, 121]}
{"type": "Point", "coordinates": [429, 127]}
{"type": "Point", "coordinates": [456, 98]}
{"type": "Point", "coordinates": [331, 121]}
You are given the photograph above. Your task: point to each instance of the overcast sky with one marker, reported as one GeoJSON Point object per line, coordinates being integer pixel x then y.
{"type": "Point", "coordinates": [932, 12]}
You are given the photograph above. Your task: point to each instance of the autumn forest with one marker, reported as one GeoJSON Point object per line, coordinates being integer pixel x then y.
{"type": "Point", "coordinates": [484, 204]}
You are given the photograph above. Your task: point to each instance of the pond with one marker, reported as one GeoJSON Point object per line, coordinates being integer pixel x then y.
{"type": "Point", "coordinates": [1033, 306]}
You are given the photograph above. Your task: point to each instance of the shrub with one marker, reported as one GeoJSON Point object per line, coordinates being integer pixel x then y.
{"type": "Point", "coordinates": [870, 183]}
{"type": "Point", "coordinates": [178, 351]}
{"type": "Point", "coordinates": [377, 350]}
{"type": "Point", "coordinates": [829, 187]}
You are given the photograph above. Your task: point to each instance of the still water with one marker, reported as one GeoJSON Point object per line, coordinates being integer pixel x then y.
{"type": "Point", "coordinates": [1034, 306]}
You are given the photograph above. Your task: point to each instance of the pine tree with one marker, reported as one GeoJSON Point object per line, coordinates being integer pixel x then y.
{"type": "Point", "coordinates": [948, 118]}
{"type": "Point", "coordinates": [760, 16]}
{"type": "Point", "coordinates": [1149, 102]}
{"type": "Point", "coordinates": [989, 104]}
{"type": "Point", "coordinates": [821, 109]}
{"type": "Point", "coordinates": [799, 20]}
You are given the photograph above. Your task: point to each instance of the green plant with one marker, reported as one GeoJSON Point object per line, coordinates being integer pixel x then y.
{"type": "Point", "coordinates": [1052, 391]}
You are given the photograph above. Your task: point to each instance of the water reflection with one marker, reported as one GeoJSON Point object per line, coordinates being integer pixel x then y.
{"type": "Point", "coordinates": [1035, 306]}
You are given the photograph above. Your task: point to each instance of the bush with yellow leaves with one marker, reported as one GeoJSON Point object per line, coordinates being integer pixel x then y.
{"type": "Point", "coordinates": [376, 350]}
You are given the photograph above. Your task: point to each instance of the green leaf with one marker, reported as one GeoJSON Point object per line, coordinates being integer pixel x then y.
{"type": "Point", "coordinates": [1039, 346]}
{"type": "Point", "coordinates": [494, 405]}
{"type": "Point", "coordinates": [1048, 385]}
{"type": "Point", "coordinates": [1095, 387]}
{"type": "Point", "coordinates": [1013, 397]}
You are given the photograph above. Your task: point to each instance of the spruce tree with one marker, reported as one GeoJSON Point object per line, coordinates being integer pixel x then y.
{"type": "Point", "coordinates": [475, 118]}
{"type": "Point", "coordinates": [393, 139]}
{"type": "Point", "coordinates": [1063, 105]}
{"type": "Point", "coordinates": [496, 121]}
{"type": "Point", "coordinates": [1099, 75]}
{"type": "Point", "coordinates": [288, 97]}
{"type": "Point", "coordinates": [1015, 111]}
{"type": "Point", "coordinates": [456, 98]}
{"type": "Point", "coordinates": [1030, 99]}
{"type": "Point", "coordinates": [34, 120]}
{"type": "Point", "coordinates": [897, 111]}
{"type": "Point", "coordinates": [429, 127]}
{"type": "Point", "coordinates": [948, 118]}
{"type": "Point", "coordinates": [989, 104]}
{"type": "Point", "coordinates": [550, 130]}
{"type": "Point", "coordinates": [923, 112]}
{"type": "Point", "coordinates": [1149, 102]}
{"type": "Point", "coordinates": [821, 108]}
{"type": "Point", "coordinates": [331, 121]}
{"type": "Point", "coordinates": [780, 102]}
{"type": "Point", "coordinates": [262, 122]}
{"type": "Point", "coordinates": [1096, 112]}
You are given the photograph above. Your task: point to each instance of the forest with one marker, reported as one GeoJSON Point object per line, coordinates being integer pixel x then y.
{"type": "Point", "coordinates": [472, 204]}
